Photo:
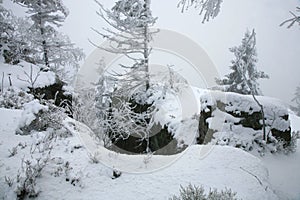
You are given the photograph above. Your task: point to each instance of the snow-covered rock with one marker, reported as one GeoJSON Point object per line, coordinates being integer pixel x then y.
{"type": "Point", "coordinates": [236, 120]}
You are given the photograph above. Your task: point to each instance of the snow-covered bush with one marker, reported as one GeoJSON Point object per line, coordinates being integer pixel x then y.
{"type": "Point", "coordinates": [83, 107]}
{"type": "Point", "coordinates": [192, 192]}
{"type": "Point", "coordinates": [26, 179]}
{"type": "Point", "coordinates": [293, 144]}
{"type": "Point", "coordinates": [38, 117]}
{"type": "Point", "coordinates": [14, 98]}
{"type": "Point", "coordinates": [31, 117]}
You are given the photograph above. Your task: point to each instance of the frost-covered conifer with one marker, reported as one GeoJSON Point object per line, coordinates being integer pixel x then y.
{"type": "Point", "coordinates": [209, 8]}
{"type": "Point", "coordinates": [5, 29]}
{"type": "Point", "coordinates": [45, 14]}
{"type": "Point", "coordinates": [52, 49]}
{"type": "Point", "coordinates": [244, 76]}
{"type": "Point", "coordinates": [129, 34]}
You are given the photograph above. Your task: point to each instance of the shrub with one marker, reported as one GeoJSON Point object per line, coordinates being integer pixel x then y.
{"type": "Point", "coordinates": [38, 117]}
{"type": "Point", "coordinates": [14, 98]}
{"type": "Point", "coordinates": [26, 179]}
{"type": "Point", "coordinates": [192, 192]}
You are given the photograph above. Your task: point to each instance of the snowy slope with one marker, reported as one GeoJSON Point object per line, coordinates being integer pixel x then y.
{"type": "Point", "coordinates": [284, 170]}
{"type": "Point", "coordinates": [25, 75]}
{"type": "Point", "coordinates": [219, 168]}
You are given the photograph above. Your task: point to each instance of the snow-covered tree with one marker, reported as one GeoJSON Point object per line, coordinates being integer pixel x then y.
{"type": "Point", "coordinates": [52, 49]}
{"type": "Point", "coordinates": [45, 14]}
{"type": "Point", "coordinates": [14, 38]}
{"type": "Point", "coordinates": [244, 76]}
{"type": "Point", "coordinates": [129, 111]}
{"type": "Point", "coordinates": [296, 99]}
{"type": "Point", "coordinates": [16, 41]}
{"type": "Point", "coordinates": [208, 8]}
{"type": "Point", "coordinates": [5, 26]}
{"type": "Point", "coordinates": [293, 20]}
{"type": "Point", "coordinates": [129, 35]}
{"type": "Point", "coordinates": [6, 29]}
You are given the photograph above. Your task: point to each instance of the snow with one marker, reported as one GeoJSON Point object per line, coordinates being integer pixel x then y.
{"type": "Point", "coordinates": [176, 110]}
{"type": "Point", "coordinates": [30, 110]}
{"type": "Point", "coordinates": [284, 174]}
{"type": "Point", "coordinates": [20, 79]}
{"type": "Point", "coordinates": [295, 122]}
{"type": "Point", "coordinates": [90, 171]}
{"type": "Point", "coordinates": [237, 102]}
{"type": "Point", "coordinates": [228, 110]}
{"type": "Point", "coordinates": [210, 166]}
{"type": "Point", "coordinates": [284, 169]}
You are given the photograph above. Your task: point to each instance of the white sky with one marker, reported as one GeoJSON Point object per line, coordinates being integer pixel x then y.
{"type": "Point", "coordinates": [278, 47]}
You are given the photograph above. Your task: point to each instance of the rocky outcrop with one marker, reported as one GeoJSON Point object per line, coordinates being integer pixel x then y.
{"type": "Point", "coordinates": [229, 117]}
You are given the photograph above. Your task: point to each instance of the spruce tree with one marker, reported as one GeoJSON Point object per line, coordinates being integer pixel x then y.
{"type": "Point", "coordinates": [129, 35]}
{"type": "Point", "coordinates": [6, 30]}
{"type": "Point", "coordinates": [127, 121]}
{"type": "Point", "coordinates": [52, 49]}
{"type": "Point", "coordinates": [244, 76]}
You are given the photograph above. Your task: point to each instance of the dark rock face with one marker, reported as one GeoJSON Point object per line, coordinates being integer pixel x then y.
{"type": "Point", "coordinates": [284, 136]}
{"type": "Point", "coordinates": [54, 92]}
{"type": "Point", "coordinates": [161, 143]}
{"type": "Point", "coordinates": [203, 129]}
{"type": "Point", "coordinates": [247, 118]}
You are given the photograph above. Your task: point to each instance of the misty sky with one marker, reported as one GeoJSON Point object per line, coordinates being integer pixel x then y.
{"type": "Point", "coordinates": [278, 47]}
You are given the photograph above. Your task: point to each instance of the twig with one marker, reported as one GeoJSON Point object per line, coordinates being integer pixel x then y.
{"type": "Point", "coordinates": [2, 82]}
{"type": "Point", "coordinates": [260, 182]}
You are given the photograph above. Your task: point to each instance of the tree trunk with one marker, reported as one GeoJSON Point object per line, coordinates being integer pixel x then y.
{"type": "Point", "coordinates": [262, 116]}
{"type": "Point", "coordinates": [146, 45]}
{"type": "Point", "coordinates": [44, 43]}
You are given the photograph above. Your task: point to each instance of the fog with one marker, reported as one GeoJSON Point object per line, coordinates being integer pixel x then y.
{"type": "Point", "coordinates": [278, 47]}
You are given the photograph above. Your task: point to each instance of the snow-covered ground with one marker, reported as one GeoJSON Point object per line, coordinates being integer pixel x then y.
{"type": "Point", "coordinates": [222, 167]}
{"type": "Point", "coordinates": [72, 172]}
{"type": "Point", "coordinates": [284, 170]}
{"type": "Point", "coordinates": [25, 75]}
